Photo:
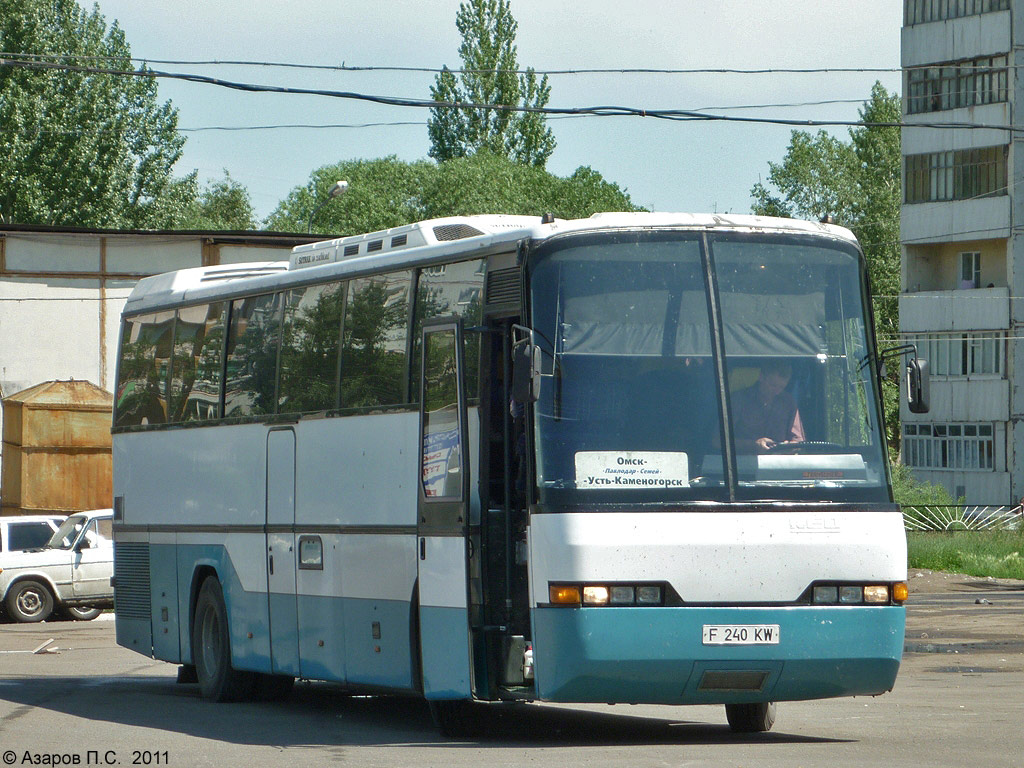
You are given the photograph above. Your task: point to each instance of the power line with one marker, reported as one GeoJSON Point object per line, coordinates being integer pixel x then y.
{"type": "Point", "coordinates": [675, 115]}
{"type": "Point", "coordinates": [965, 65]}
{"type": "Point", "coordinates": [457, 71]}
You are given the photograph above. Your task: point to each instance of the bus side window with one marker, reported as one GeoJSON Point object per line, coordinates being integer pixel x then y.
{"type": "Point", "coordinates": [451, 289]}
{"type": "Point", "coordinates": [309, 348]}
{"type": "Point", "coordinates": [252, 356]}
{"type": "Point", "coordinates": [373, 363]}
{"type": "Point", "coordinates": [196, 363]}
{"type": "Point", "coordinates": [143, 368]}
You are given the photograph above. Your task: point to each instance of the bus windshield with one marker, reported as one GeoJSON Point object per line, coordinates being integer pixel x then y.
{"type": "Point", "coordinates": [648, 396]}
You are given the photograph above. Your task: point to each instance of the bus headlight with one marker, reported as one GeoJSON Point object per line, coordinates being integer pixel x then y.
{"type": "Point", "coordinates": [826, 595]}
{"type": "Point", "coordinates": [620, 595]}
{"type": "Point", "coordinates": [849, 595]}
{"type": "Point", "coordinates": [648, 595]}
{"type": "Point", "coordinates": [876, 594]}
{"type": "Point", "coordinates": [606, 594]}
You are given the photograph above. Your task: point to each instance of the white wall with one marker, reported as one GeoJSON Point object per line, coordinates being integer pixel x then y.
{"type": "Point", "coordinates": [61, 297]}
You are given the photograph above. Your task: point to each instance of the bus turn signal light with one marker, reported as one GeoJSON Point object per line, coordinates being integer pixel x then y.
{"type": "Point", "coordinates": [564, 594]}
{"type": "Point", "coordinates": [900, 592]}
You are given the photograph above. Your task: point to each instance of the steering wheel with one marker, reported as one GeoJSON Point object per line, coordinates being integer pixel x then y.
{"type": "Point", "coordinates": [807, 446]}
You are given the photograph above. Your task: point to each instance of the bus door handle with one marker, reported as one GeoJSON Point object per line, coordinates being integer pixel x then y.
{"type": "Point", "coordinates": [271, 565]}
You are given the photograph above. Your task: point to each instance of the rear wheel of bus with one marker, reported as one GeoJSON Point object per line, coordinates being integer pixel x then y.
{"type": "Point", "coordinates": [751, 718]}
{"type": "Point", "coordinates": [211, 648]}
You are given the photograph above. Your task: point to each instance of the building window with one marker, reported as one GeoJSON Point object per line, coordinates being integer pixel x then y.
{"type": "Point", "coordinates": [964, 83]}
{"type": "Point", "coordinates": [949, 446]}
{"type": "Point", "coordinates": [922, 11]}
{"type": "Point", "coordinates": [961, 175]}
{"type": "Point", "coordinates": [962, 354]}
{"type": "Point", "coordinates": [970, 269]}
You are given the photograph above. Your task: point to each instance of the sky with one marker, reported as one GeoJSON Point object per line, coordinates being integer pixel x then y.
{"type": "Point", "coordinates": [665, 166]}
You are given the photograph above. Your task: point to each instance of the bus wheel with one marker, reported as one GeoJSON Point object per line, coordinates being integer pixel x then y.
{"type": "Point", "coordinates": [211, 648]}
{"type": "Point", "coordinates": [455, 719]}
{"type": "Point", "coordinates": [750, 718]}
{"type": "Point", "coordinates": [28, 602]}
{"type": "Point", "coordinates": [273, 687]}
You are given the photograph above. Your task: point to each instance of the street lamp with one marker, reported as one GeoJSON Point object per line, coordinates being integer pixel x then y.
{"type": "Point", "coordinates": [338, 189]}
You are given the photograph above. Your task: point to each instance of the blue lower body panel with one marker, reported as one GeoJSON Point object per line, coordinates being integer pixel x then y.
{"type": "Point", "coordinates": [656, 654]}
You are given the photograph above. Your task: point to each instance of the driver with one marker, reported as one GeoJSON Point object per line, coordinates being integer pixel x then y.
{"type": "Point", "coordinates": [765, 415]}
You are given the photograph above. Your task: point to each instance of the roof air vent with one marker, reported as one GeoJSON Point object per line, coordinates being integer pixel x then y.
{"type": "Point", "coordinates": [455, 232]}
{"type": "Point", "coordinates": [399, 240]}
{"type": "Point", "coordinates": [352, 250]}
{"type": "Point", "coordinates": [374, 245]}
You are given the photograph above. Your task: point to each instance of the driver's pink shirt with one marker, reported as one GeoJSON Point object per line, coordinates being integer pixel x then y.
{"type": "Point", "coordinates": [778, 419]}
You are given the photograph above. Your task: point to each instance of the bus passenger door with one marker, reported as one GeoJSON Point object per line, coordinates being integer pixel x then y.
{"type": "Point", "coordinates": [443, 516]}
{"type": "Point", "coordinates": [284, 640]}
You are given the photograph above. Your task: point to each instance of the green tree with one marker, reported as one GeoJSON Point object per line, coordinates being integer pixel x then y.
{"type": "Point", "coordinates": [79, 148]}
{"type": "Point", "coordinates": [223, 204]}
{"type": "Point", "coordinates": [857, 183]}
{"type": "Point", "coordinates": [490, 76]}
{"type": "Point", "coordinates": [387, 192]}
{"type": "Point", "coordinates": [909, 492]}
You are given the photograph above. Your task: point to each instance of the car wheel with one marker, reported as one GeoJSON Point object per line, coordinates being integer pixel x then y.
{"type": "Point", "coordinates": [211, 648]}
{"type": "Point", "coordinates": [79, 612]}
{"type": "Point", "coordinates": [750, 718]}
{"type": "Point", "coordinates": [28, 602]}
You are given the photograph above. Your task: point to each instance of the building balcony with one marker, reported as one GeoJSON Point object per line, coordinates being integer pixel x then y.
{"type": "Point", "coordinates": [963, 399]}
{"type": "Point", "coordinates": [970, 309]}
{"type": "Point", "coordinates": [953, 39]}
{"type": "Point", "coordinates": [955, 221]}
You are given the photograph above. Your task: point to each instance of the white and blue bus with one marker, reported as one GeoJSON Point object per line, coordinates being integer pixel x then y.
{"type": "Point", "coordinates": [507, 458]}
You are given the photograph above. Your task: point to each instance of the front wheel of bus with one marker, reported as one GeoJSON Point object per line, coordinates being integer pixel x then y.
{"type": "Point", "coordinates": [455, 719]}
{"type": "Point", "coordinates": [751, 718]}
{"type": "Point", "coordinates": [211, 648]}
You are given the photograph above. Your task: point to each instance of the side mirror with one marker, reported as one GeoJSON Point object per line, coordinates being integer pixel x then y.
{"type": "Point", "coordinates": [526, 372]}
{"type": "Point", "coordinates": [917, 385]}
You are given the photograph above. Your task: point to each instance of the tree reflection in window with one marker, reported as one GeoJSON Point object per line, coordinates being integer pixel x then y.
{"type": "Point", "coordinates": [142, 379]}
{"type": "Point", "coordinates": [252, 356]}
{"type": "Point", "coordinates": [452, 289]}
{"type": "Point", "coordinates": [373, 355]}
{"type": "Point", "coordinates": [309, 348]}
{"type": "Point", "coordinates": [196, 366]}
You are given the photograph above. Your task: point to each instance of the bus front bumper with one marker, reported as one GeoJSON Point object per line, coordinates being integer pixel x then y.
{"type": "Point", "coordinates": [658, 655]}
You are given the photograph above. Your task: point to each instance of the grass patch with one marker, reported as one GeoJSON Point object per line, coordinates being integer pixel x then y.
{"type": "Point", "coordinates": [999, 554]}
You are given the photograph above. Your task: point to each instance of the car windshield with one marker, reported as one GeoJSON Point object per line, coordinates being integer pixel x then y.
{"type": "Point", "coordinates": [68, 532]}
{"type": "Point", "coordinates": [635, 405]}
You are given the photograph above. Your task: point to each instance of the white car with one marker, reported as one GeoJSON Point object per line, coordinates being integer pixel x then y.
{"type": "Point", "coordinates": [69, 576]}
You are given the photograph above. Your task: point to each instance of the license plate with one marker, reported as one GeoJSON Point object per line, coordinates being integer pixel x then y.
{"type": "Point", "coordinates": [741, 634]}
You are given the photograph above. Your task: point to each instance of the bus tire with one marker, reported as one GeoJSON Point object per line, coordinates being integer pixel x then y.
{"type": "Point", "coordinates": [28, 602]}
{"type": "Point", "coordinates": [211, 648]}
{"type": "Point", "coordinates": [751, 718]}
{"type": "Point", "coordinates": [455, 719]}
{"type": "Point", "coordinates": [273, 687]}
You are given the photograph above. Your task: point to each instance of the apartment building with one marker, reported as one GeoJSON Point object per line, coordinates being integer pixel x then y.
{"type": "Point", "coordinates": [962, 229]}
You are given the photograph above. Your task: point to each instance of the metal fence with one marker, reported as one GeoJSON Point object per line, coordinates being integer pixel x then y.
{"type": "Point", "coordinates": [960, 517]}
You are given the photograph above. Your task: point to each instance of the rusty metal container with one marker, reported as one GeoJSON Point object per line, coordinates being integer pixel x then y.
{"type": "Point", "coordinates": [56, 448]}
